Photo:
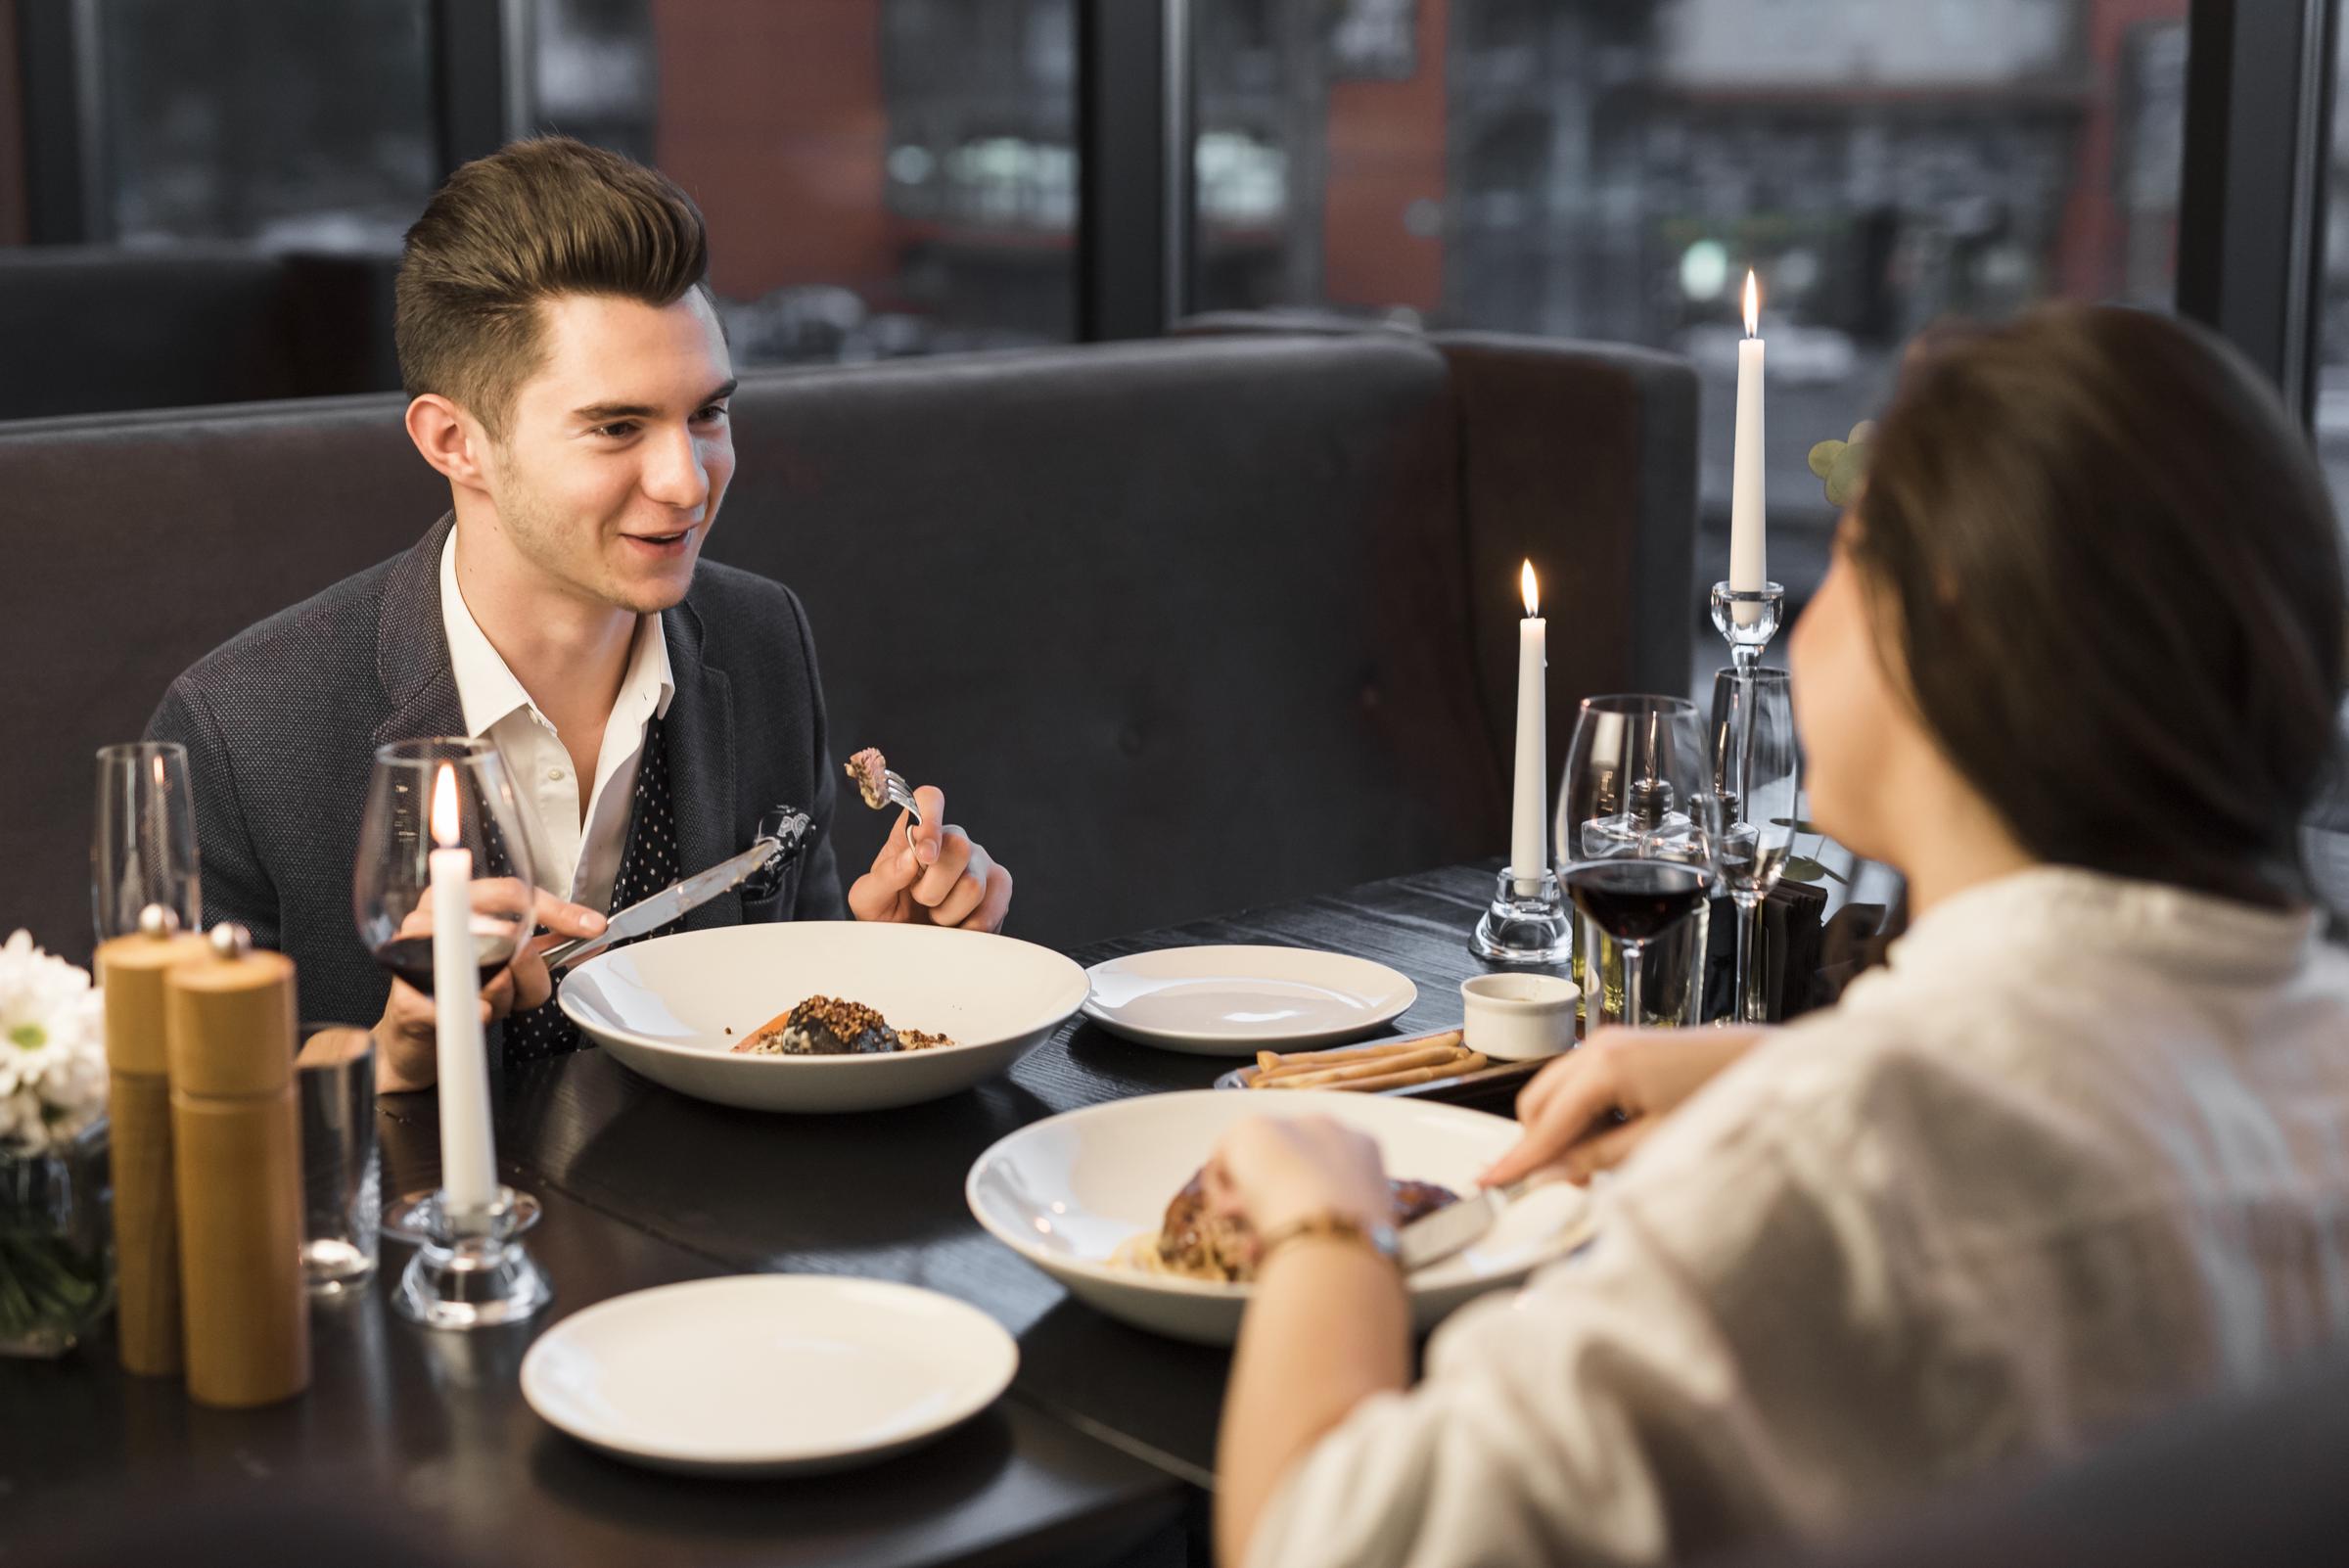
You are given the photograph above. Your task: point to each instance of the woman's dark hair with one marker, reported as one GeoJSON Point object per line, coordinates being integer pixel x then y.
{"type": "Point", "coordinates": [2115, 584]}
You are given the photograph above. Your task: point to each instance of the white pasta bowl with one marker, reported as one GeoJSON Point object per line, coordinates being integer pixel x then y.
{"type": "Point", "coordinates": [674, 1008]}
{"type": "Point", "coordinates": [1065, 1192]}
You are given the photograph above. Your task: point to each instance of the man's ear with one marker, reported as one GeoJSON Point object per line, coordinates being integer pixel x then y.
{"type": "Point", "coordinates": [451, 440]}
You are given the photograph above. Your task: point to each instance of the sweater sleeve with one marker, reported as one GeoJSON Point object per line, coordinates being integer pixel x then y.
{"type": "Point", "coordinates": [1726, 1365]}
{"type": "Point", "coordinates": [820, 891]}
{"type": "Point", "coordinates": [234, 884]}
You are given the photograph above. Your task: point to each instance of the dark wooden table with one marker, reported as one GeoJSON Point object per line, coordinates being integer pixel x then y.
{"type": "Point", "coordinates": [1106, 1441]}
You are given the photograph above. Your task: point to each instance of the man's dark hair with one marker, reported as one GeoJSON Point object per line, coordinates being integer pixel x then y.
{"type": "Point", "coordinates": [2109, 570]}
{"type": "Point", "coordinates": [538, 219]}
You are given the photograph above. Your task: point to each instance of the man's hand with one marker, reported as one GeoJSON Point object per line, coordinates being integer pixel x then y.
{"type": "Point", "coordinates": [405, 1038]}
{"type": "Point", "coordinates": [1588, 1110]}
{"type": "Point", "coordinates": [941, 878]}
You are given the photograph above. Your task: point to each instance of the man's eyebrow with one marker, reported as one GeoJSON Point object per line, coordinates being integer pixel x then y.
{"type": "Point", "coordinates": [605, 413]}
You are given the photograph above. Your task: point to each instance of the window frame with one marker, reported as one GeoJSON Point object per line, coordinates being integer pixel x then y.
{"type": "Point", "coordinates": [2251, 204]}
{"type": "Point", "coordinates": [2252, 195]}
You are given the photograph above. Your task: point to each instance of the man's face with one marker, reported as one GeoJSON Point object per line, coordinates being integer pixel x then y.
{"type": "Point", "coordinates": [618, 451]}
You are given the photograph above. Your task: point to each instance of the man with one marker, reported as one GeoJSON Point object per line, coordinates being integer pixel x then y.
{"type": "Point", "coordinates": [568, 376]}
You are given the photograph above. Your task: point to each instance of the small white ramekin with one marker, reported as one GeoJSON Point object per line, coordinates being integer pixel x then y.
{"type": "Point", "coordinates": [1515, 1016]}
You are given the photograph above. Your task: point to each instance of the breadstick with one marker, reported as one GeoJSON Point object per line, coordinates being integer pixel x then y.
{"type": "Point", "coordinates": [1316, 1077]}
{"type": "Point", "coordinates": [1267, 1061]}
{"type": "Point", "coordinates": [1402, 1079]}
{"type": "Point", "coordinates": [1360, 1066]}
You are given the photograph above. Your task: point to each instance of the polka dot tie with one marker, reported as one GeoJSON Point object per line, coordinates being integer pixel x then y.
{"type": "Point", "coordinates": [647, 865]}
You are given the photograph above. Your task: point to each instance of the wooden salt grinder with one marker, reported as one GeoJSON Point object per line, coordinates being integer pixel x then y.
{"type": "Point", "coordinates": [131, 969]}
{"type": "Point", "coordinates": [237, 1155]}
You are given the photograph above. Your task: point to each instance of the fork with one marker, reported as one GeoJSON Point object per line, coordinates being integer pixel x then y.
{"type": "Point", "coordinates": [901, 794]}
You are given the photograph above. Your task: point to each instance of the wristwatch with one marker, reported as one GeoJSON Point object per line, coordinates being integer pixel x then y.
{"type": "Point", "coordinates": [1379, 1239]}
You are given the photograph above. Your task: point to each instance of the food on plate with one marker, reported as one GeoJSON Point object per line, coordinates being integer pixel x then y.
{"type": "Point", "coordinates": [1194, 1242]}
{"type": "Point", "coordinates": [868, 769]}
{"type": "Point", "coordinates": [826, 1026]}
{"type": "Point", "coordinates": [1391, 1064]}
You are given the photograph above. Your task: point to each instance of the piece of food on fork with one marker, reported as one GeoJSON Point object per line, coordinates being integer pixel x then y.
{"type": "Point", "coordinates": [882, 788]}
{"type": "Point", "coordinates": [870, 771]}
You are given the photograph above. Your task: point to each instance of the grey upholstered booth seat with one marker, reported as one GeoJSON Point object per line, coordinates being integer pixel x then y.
{"type": "Point", "coordinates": [91, 327]}
{"type": "Point", "coordinates": [1179, 627]}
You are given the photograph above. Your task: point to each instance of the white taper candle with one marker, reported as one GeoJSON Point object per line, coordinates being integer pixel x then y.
{"type": "Point", "coordinates": [1530, 810]}
{"type": "Point", "coordinates": [468, 1152]}
{"type": "Point", "coordinates": [1749, 562]}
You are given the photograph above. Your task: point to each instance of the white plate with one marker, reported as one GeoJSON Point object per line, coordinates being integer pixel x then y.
{"type": "Point", "coordinates": [665, 1008]}
{"type": "Point", "coordinates": [767, 1374]}
{"type": "Point", "coordinates": [1228, 1001]}
{"type": "Point", "coordinates": [1064, 1192]}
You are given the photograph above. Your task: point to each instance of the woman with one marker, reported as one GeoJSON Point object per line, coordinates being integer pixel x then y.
{"type": "Point", "coordinates": [2082, 1150]}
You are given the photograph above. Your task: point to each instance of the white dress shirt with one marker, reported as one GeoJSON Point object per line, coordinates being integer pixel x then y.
{"type": "Point", "coordinates": [2081, 1152]}
{"type": "Point", "coordinates": [574, 855]}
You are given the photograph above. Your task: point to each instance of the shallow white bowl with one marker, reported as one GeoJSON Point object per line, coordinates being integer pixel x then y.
{"type": "Point", "coordinates": [1065, 1191]}
{"type": "Point", "coordinates": [767, 1374]}
{"type": "Point", "coordinates": [1230, 999]}
{"type": "Point", "coordinates": [664, 1008]}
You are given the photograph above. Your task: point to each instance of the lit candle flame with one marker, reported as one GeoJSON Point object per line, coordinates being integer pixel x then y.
{"type": "Point", "coordinates": [444, 807]}
{"type": "Point", "coordinates": [1530, 589]}
{"type": "Point", "coordinates": [1753, 305]}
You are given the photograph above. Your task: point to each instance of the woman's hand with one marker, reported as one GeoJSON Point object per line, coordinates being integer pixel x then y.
{"type": "Point", "coordinates": [1274, 1171]}
{"type": "Point", "coordinates": [1326, 1330]}
{"type": "Point", "coordinates": [406, 1046]}
{"type": "Point", "coordinates": [1586, 1111]}
{"type": "Point", "coordinates": [938, 877]}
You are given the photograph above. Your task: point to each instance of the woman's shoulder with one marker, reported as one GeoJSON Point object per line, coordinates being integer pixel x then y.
{"type": "Point", "coordinates": [2005, 1101]}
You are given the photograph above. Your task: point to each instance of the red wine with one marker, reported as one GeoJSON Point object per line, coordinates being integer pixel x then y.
{"type": "Point", "coordinates": [411, 959]}
{"type": "Point", "coordinates": [1634, 900]}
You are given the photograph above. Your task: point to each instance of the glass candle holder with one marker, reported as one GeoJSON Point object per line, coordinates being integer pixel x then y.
{"type": "Point", "coordinates": [1747, 619]}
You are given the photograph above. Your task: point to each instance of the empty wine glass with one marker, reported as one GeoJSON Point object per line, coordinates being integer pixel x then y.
{"type": "Point", "coordinates": [143, 847]}
{"type": "Point", "coordinates": [1758, 776]}
{"type": "Point", "coordinates": [1637, 822]}
{"type": "Point", "coordinates": [410, 814]}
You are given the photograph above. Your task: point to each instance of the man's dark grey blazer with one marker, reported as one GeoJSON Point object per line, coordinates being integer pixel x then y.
{"type": "Point", "coordinates": [280, 724]}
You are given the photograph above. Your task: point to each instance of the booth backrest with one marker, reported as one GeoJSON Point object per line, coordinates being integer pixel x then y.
{"type": "Point", "coordinates": [1179, 627]}
{"type": "Point", "coordinates": [87, 329]}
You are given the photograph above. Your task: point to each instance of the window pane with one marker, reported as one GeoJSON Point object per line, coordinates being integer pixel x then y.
{"type": "Point", "coordinates": [286, 121]}
{"type": "Point", "coordinates": [881, 176]}
{"type": "Point", "coordinates": [1594, 169]}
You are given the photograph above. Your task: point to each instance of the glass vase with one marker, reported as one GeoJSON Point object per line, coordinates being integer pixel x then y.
{"type": "Point", "coordinates": [57, 1245]}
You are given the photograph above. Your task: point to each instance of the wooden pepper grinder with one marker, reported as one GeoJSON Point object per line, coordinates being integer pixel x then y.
{"type": "Point", "coordinates": [131, 969]}
{"type": "Point", "coordinates": [236, 1154]}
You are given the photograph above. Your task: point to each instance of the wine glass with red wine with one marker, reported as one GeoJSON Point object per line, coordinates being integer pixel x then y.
{"type": "Point", "coordinates": [392, 885]}
{"type": "Point", "coordinates": [1637, 824]}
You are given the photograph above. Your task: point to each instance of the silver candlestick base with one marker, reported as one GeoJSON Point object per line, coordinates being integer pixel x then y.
{"type": "Point", "coordinates": [1525, 924]}
{"type": "Point", "coordinates": [1747, 619]}
{"type": "Point", "coordinates": [469, 1271]}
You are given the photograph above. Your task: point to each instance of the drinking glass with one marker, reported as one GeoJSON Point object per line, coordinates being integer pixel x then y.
{"type": "Point", "coordinates": [143, 848]}
{"type": "Point", "coordinates": [1637, 822]}
{"type": "Point", "coordinates": [341, 1184]}
{"type": "Point", "coordinates": [1758, 777]}
{"type": "Point", "coordinates": [392, 881]}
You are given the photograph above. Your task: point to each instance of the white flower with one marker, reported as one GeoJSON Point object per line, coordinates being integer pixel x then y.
{"type": "Point", "coordinates": [52, 1047]}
